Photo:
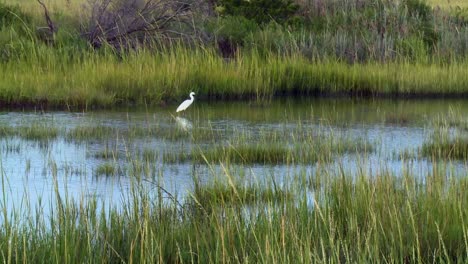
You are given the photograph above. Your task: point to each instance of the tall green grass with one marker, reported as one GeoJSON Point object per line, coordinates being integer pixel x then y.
{"type": "Point", "coordinates": [371, 218]}
{"type": "Point", "coordinates": [148, 78]}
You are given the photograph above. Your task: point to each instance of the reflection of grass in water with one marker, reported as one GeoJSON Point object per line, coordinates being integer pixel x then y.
{"type": "Point", "coordinates": [397, 118]}
{"type": "Point", "coordinates": [83, 133]}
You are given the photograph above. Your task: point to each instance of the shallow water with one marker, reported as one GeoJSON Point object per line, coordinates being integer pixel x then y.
{"type": "Point", "coordinates": [34, 171]}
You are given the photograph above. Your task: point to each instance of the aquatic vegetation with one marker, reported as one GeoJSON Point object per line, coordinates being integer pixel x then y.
{"type": "Point", "coordinates": [273, 148]}
{"type": "Point", "coordinates": [34, 132]}
{"type": "Point", "coordinates": [456, 148]}
{"type": "Point", "coordinates": [91, 132]}
{"type": "Point", "coordinates": [149, 155]}
{"type": "Point", "coordinates": [107, 169]}
{"type": "Point", "coordinates": [349, 219]}
{"type": "Point", "coordinates": [6, 131]}
{"type": "Point", "coordinates": [303, 204]}
{"type": "Point", "coordinates": [448, 141]}
{"type": "Point", "coordinates": [219, 194]}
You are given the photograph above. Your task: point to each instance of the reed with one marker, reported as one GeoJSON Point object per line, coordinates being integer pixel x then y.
{"type": "Point", "coordinates": [348, 219]}
{"type": "Point", "coordinates": [169, 77]}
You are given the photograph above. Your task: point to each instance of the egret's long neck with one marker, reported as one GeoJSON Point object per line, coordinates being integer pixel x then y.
{"type": "Point", "coordinates": [191, 97]}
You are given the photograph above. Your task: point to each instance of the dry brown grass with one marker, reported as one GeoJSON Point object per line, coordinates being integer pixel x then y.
{"type": "Point", "coordinates": [59, 6]}
{"type": "Point", "coordinates": [447, 4]}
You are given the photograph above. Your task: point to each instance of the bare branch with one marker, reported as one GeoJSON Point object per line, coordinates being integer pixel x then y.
{"type": "Point", "coordinates": [128, 22]}
{"type": "Point", "coordinates": [50, 24]}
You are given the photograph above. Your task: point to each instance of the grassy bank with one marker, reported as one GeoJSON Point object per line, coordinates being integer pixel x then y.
{"type": "Point", "coordinates": [395, 50]}
{"type": "Point", "coordinates": [155, 78]}
{"type": "Point", "coordinates": [367, 219]}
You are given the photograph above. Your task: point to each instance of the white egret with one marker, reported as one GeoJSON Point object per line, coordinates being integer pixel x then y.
{"type": "Point", "coordinates": [186, 103]}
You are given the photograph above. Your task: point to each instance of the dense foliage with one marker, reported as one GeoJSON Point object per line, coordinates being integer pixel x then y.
{"type": "Point", "coordinates": [260, 11]}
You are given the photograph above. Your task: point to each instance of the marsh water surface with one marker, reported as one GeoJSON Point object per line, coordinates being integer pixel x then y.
{"type": "Point", "coordinates": [98, 154]}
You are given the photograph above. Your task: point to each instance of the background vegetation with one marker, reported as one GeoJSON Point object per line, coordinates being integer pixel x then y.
{"type": "Point", "coordinates": [99, 54]}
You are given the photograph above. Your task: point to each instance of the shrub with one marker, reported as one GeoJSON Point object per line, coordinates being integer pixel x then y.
{"type": "Point", "coordinates": [12, 16]}
{"type": "Point", "coordinates": [260, 11]}
{"type": "Point", "coordinates": [231, 32]}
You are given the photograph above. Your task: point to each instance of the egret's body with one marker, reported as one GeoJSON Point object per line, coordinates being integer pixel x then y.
{"type": "Point", "coordinates": [186, 103]}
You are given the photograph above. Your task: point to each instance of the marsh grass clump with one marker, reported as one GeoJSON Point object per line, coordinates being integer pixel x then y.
{"type": "Point", "coordinates": [149, 155]}
{"type": "Point", "coordinates": [347, 146]}
{"type": "Point", "coordinates": [448, 141]}
{"type": "Point", "coordinates": [299, 146]}
{"type": "Point", "coordinates": [6, 131]}
{"type": "Point", "coordinates": [34, 132]}
{"type": "Point", "coordinates": [456, 148]}
{"type": "Point", "coordinates": [38, 132]}
{"type": "Point", "coordinates": [221, 194]}
{"type": "Point", "coordinates": [83, 133]}
{"type": "Point", "coordinates": [107, 169]}
{"type": "Point", "coordinates": [248, 154]}
{"type": "Point", "coordinates": [280, 150]}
